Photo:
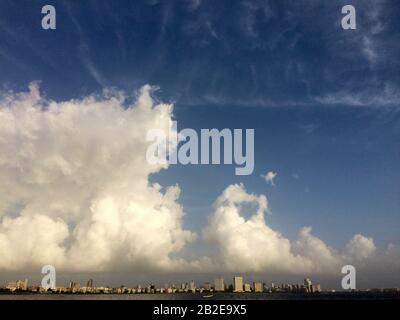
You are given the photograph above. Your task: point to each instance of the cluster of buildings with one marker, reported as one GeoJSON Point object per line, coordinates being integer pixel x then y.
{"type": "Point", "coordinates": [239, 286]}
{"type": "Point", "coordinates": [17, 285]}
{"type": "Point", "coordinates": [219, 285]}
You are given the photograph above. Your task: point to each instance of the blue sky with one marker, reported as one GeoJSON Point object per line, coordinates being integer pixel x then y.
{"type": "Point", "coordinates": [324, 102]}
{"type": "Point", "coordinates": [341, 176]}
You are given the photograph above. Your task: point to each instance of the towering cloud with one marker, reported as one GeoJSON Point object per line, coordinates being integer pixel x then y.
{"type": "Point", "coordinates": [74, 188]}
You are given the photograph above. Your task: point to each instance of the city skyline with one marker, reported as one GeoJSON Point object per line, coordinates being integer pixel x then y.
{"type": "Point", "coordinates": [238, 285]}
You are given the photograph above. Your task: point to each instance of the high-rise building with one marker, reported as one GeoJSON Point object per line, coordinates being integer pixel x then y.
{"type": "Point", "coordinates": [192, 287]}
{"type": "Point", "coordinates": [308, 284]}
{"type": "Point", "coordinates": [89, 284]}
{"type": "Point", "coordinates": [316, 288]}
{"type": "Point", "coordinates": [247, 287]}
{"type": "Point", "coordinates": [74, 286]}
{"type": "Point", "coordinates": [219, 284]}
{"type": "Point", "coordinates": [238, 284]}
{"type": "Point", "coordinates": [257, 287]}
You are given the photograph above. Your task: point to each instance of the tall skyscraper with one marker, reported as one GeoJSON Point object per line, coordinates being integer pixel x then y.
{"type": "Point", "coordinates": [308, 284]}
{"type": "Point", "coordinates": [89, 284]}
{"type": "Point", "coordinates": [257, 287]}
{"type": "Point", "coordinates": [192, 287]}
{"type": "Point", "coordinates": [238, 284]}
{"type": "Point", "coordinates": [219, 284]}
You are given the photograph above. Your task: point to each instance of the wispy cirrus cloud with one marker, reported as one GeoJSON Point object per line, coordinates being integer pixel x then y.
{"type": "Point", "coordinates": [388, 96]}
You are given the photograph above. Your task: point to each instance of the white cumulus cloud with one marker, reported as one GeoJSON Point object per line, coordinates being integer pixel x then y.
{"type": "Point", "coordinates": [74, 186]}
{"type": "Point", "coordinates": [250, 245]}
{"type": "Point", "coordinates": [360, 247]}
